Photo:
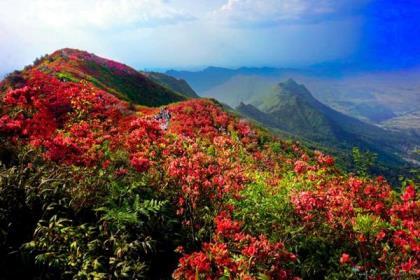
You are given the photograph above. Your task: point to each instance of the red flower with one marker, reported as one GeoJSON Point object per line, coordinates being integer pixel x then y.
{"type": "Point", "coordinates": [121, 172]}
{"type": "Point", "coordinates": [407, 266]}
{"type": "Point", "coordinates": [140, 164]}
{"type": "Point", "coordinates": [345, 258]}
{"type": "Point", "coordinates": [179, 249]}
{"type": "Point", "coordinates": [381, 235]}
{"type": "Point", "coordinates": [105, 164]}
{"type": "Point", "coordinates": [200, 261]}
{"type": "Point", "coordinates": [225, 226]}
{"type": "Point", "coordinates": [300, 166]}
{"type": "Point", "coordinates": [9, 125]}
{"type": "Point", "coordinates": [409, 193]}
{"type": "Point", "coordinates": [249, 251]}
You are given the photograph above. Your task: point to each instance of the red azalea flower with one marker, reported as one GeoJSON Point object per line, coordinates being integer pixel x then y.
{"type": "Point", "coordinates": [345, 258]}
{"type": "Point", "coordinates": [409, 193]}
{"type": "Point", "coordinates": [140, 164]}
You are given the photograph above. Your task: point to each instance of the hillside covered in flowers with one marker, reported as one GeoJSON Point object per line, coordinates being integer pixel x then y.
{"type": "Point", "coordinates": [96, 185]}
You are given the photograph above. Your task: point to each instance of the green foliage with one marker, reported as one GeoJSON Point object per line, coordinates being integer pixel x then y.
{"type": "Point", "coordinates": [131, 87]}
{"type": "Point", "coordinates": [124, 210]}
{"type": "Point", "coordinates": [39, 60]}
{"type": "Point", "coordinates": [176, 85]}
{"type": "Point", "coordinates": [276, 147]}
{"type": "Point", "coordinates": [268, 210]}
{"type": "Point", "coordinates": [265, 210]}
{"type": "Point", "coordinates": [363, 161]}
{"type": "Point", "coordinates": [289, 109]}
{"type": "Point", "coordinates": [368, 225]}
{"type": "Point", "coordinates": [63, 76]}
{"type": "Point", "coordinates": [79, 228]}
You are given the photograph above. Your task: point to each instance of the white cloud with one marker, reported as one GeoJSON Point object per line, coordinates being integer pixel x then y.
{"type": "Point", "coordinates": [102, 14]}
{"type": "Point", "coordinates": [160, 33]}
{"type": "Point", "coordinates": [30, 28]}
{"type": "Point", "coordinates": [266, 12]}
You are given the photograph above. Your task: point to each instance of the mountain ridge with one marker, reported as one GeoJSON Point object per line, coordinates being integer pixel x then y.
{"type": "Point", "coordinates": [213, 76]}
{"type": "Point", "coordinates": [177, 85]}
{"type": "Point", "coordinates": [95, 187]}
{"type": "Point", "coordinates": [291, 107]}
{"type": "Point", "coordinates": [117, 78]}
{"type": "Point", "coordinates": [375, 97]}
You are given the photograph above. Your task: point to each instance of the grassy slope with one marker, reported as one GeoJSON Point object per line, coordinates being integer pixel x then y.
{"type": "Point", "coordinates": [116, 78]}
{"type": "Point", "coordinates": [388, 165]}
{"type": "Point", "coordinates": [122, 218]}
{"type": "Point", "coordinates": [372, 97]}
{"type": "Point", "coordinates": [177, 85]}
{"type": "Point", "coordinates": [290, 107]}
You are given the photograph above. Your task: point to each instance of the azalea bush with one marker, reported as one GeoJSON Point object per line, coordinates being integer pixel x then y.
{"type": "Point", "coordinates": [93, 187]}
{"type": "Point", "coordinates": [233, 254]}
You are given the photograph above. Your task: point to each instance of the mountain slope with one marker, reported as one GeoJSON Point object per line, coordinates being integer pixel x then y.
{"type": "Point", "coordinates": [254, 113]}
{"type": "Point", "coordinates": [113, 77]}
{"type": "Point", "coordinates": [372, 97]}
{"type": "Point", "coordinates": [292, 108]}
{"type": "Point", "coordinates": [211, 77]}
{"type": "Point", "coordinates": [92, 187]}
{"type": "Point", "coordinates": [174, 84]}
{"type": "Point", "coordinates": [239, 88]}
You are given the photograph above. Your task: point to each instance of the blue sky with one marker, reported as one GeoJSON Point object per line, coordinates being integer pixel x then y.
{"type": "Point", "coordinates": [380, 34]}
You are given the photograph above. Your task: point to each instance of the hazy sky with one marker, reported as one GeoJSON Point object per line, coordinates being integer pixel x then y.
{"type": "Point", "coordinates": [194, 33]}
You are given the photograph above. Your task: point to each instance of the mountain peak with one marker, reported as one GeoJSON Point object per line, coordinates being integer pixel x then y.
{"type": "Point", "coordinates": [70, 51]}
{"type": "Point", "coordinates": [291, 88]}
{"type": "Point", "coordinates": [292, 108]}
{"type": "Point", "coordinates": [69, 54]}
{"type": "Point", "coordinates": [73, 65]}
{"type": "Point", "coordinates": [291, 82]}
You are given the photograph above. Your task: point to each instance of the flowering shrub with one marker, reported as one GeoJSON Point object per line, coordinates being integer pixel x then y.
{"type": "Point", "coordinates": [236, 255]}
{"type": "Point", "coordinates": [379, 230]}
{"type": "Point", "coordinates": [113, 192]}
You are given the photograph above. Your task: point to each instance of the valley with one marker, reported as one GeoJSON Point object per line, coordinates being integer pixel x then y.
{"type": "Point", "coordinates": [107, 172]}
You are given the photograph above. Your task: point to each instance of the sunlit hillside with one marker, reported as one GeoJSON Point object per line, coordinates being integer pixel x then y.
{"type": "Point", "coordinates": [98, 182]}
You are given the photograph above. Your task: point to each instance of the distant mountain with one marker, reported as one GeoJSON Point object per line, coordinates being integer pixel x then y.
{"type": "Point", "coordinates": [94, 187]}
{"type": "Point", "coordinates": [253, 113]}
{"type": "Point", "coordinates": [213, 76]}
{"type": "Point", "coordinates": [113, 77]}
{"type": "Point", "coordinates": [373, 97]}
{"type": "Point", "coordinates": [240, 88]}
{"type": "Point", "coordinates": [172, 83]}
{"type": "Point", "coordinates": [290, 107]}
{"type": "Point", "coordinates": [205, 79]}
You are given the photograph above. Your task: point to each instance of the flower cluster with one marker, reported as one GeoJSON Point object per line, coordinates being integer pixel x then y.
{"type": "Point", "coordinates": [76, 55]}
{"type": "Point", "coordinates": [236, 255]}
{"type": "Point", "coordinates": [204, 159]}
{"type": "Point", "coordinates": [362, 214]}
